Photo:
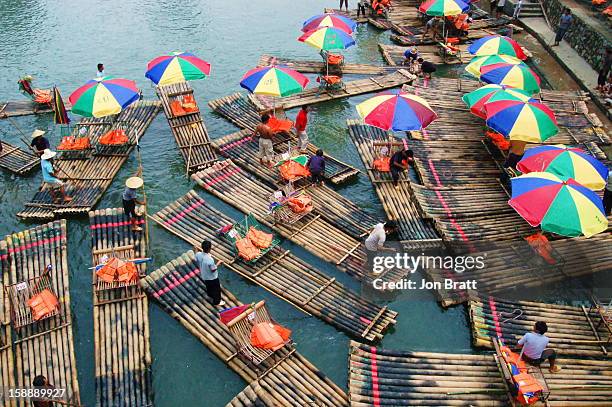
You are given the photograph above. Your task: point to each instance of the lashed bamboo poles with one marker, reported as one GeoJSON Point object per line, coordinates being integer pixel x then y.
{"type": "Point", "coordinates": [252, 396]}
{"type": "Point", "coordinates": [398, 204]}
{"type": "Point", "coordinates": [14, 108]}
{"type": "Point", "coordinates": [45, 347]}
{"type": "Point", "coordinates": [121, 322]}
{"type": "Point", "coordinates": [319, 66]}
{"type": "Point", "coordinates": [16, 160]}
{"type": "Point", "coordinates": [353, 88]}
{"type": "Point", "coordinates": [477, 27]}
{"type": "Point", "coordinates": [189, 131]}
{"type": "Point", "coordinates": [417, 39]}
{"type": "Point", "coordinates": [401, 378]}
{"type": "Point", "coordinates": [394, 54]}
{"type": "Point", "coordinates": [569, 330]}
{"type": "Point", "coordinates": [289, 379]}
{"type": "Point", "coordinates": [241, 111]}
{"type": "Point", "coordinates": [279, 271]}
{"type": "Point", "coordinates": [89, 178]}
{"type": "Point", "coordinates": [7, 378]}
{"type": "Point", "coordinates": [332, 206]}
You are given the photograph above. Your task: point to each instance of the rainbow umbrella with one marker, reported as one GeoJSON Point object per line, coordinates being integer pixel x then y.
{"type": "Point", "coordinates": [558, 205]}
{"type": "Point", "coordinates": [330, 20]}
{"type": "Point", "coordinates": [532, 122]}
{"type": "Point", "coordinates": [444, 7]}
{"type": "Point", "coordinates": [327, 38]}
{"type": "Point", "coordinates": [274, 80]}
{"type": "Point", "coordinates": [476, 99]}
{"type": "Point", "coordinates": [518, 76]}
{"type": "Point", "coordinates": [396, 110]}
{"type": "Point", "coordinates": [475, 64]}
{"type": "Point", "coordinates": [177, 67]}
{"type": "Point", "coordinates": [566, 161]}
{"type": "Point", "coordinates": [104, 96]}
{"type": "Point", "coordinates": [497, 44]}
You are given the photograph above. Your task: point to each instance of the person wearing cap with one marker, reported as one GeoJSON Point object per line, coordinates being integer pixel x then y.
{"type": "Point", "coordinates": [50, 178]}
{"type": "Point", "coordinates": [130, 201]}
{"type": "Point", "coordinates": [39, 143]}
{"type": "Point", "coordinates": [375, 242]}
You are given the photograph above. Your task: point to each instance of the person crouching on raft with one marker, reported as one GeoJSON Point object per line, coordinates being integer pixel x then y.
{"type": "Point", "coordinates": [534, 347]}
{"type": "Point", "coordinates": [130, 201]}
{"type": "Point", "coordinates": [316, 166]}
{"type": "Point", "coordinates": [375, 242]}
{"type": "Point", "coordinates": [400, 162]}
{"type": "Point", "coordinates": [208, 271]}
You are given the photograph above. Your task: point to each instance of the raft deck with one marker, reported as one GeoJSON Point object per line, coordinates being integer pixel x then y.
{"type": "Point", "coordinates": [319, 66]}
{"type": "Point", "coordinates": [26, 107]}
{"type": "Point", "coordinates": [279, 272]}
{"type": "Point", "coordinates": [394, 54]}
{"type": "Point", "coordinates": [121, 320]}
{"type": "Point", "coordinates": [241, 111]}
{"type": "Point", "coordinates": [189, 130]}
{"type": "Point", "coordinates": [7, 378]}
{"type": "Point", "coordinates": [410, 35]}
{"type": "Point", "coordinates": [91, 176]}
{"type": "Point", "coordinates": [45, 347]}
{"type": "Point", "coordinates": [16, 160]}
{"type": "Point", "coordinates": [289, 380]}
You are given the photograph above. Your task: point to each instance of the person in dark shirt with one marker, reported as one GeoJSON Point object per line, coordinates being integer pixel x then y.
{"type": "Point", "coordinates": [565, 22]}
{"type": "Point", "coordinates": [130, 201]}
{"type": "Point", "coordinates": [604, 72]}
{"type": "Point", "coordinates": [39, 143]}
{"type": "Point", "coordinates": [427, 68]}
{"type": "Point", "coordinates": [41, 382]}
{"type": "Point", "coordinates": [316, 166]}
{"type": "Point", "coordinates": [399, 162]}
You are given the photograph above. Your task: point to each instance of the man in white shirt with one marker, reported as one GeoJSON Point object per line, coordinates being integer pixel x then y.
{"type": "Point", "coordinates": [534, 347]}
{"type": "Point", "coordinates": [208, 272]}
{"type": "Point", "coordinates": [375, 242]}
{"type": "Point", "coordinates": [100, 73]}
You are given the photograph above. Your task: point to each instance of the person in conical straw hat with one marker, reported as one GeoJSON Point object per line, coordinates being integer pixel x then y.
{"type": "Point", "coordinates": [39, 142]}
{"type": "Point", "coordinates": [50, 178]}
{"type": "Point", "coordinates": [130, 201]}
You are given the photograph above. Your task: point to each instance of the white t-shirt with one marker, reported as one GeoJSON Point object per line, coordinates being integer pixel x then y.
{"type": "Point", "coordinates": [533, 344]}
{"type": "Point", "coordinates": [377, 238]}
{"type": "Point", "coordinates": [501, 3]}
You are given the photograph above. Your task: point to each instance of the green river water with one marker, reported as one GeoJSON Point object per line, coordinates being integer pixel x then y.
{"type": "Point", "coordinates": [60, 42]}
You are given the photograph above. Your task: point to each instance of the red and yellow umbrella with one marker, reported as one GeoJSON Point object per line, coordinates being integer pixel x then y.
{"type": "Point", "coordinates": [104, 96]}
{"type": "Point", "coordinates": [177, 67]}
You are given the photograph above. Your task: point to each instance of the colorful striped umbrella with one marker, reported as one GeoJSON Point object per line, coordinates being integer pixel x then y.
{"type": "Point", "coordinates": [518, 76]}
{"type": "Point", "coordinates": [532, 122]}
{"type": "Point", "coordinates": [476, 99]}
{"type": "Point", "coordinates": [396, 110]}
{"type": "Point", "coordinates": [444, 7]}
{"type": "Point", "coordinates": [566, 161]}
{"type": "Point", "coordinates": [104, 96]}
{"type": "Point", "coordinates": [177, 67]}
{"type": "Point", "coordinates": [473, 68]}
{"type": "Point", "coordinates": [274, 81]}
{"type": "Point", "coordinates": [497, 44]}
{"type": "Point", "coordinates": [558, 205]}
{"type": "Point", "coordinates": [330, 20]}
{"type": "Point", "coordinates": [327, 38]}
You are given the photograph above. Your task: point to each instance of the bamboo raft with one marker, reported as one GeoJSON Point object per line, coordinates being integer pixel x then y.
{"type": "Point", "coordinates": [26, 107]}
{"type": "Point", "coordinates": [353, 88]}
{"type": "Point", "coordinates": [411, 35]}
{"type": "Point", "coordinates": [399, 205]}
{"type": "Point", "coordinates": [319, 66]}
{"type": "Point", "coordinates": [189, 130]}
{"type": "Point", "coordinates": [90, 177]}
{"type": "Point", "coordinates": [352, 14]}
{"type": "Point", "coordinates": [290, 380]}
{"type": "Point", "coordinates": [252, 396]}
{"type": "Point", "coordinates": [121, 321]}
{"type": "Point", "coordinates": [16, 160]}
{"type": "Point", "coordinates": [402, 12]}
{"type": "Point", "coordinates": [570, 330]}
{"type": "Point", "coordinates": [279, 272]}
{"type": "Point", "coordinates": [7, 378]}
{"type": "Point", "coordinates": [384, 377]}
{"type": "Point", "coordinates": [243, 191]}
{"type": "Point", "coordinates": [394, 54]}
{"type": "Point", "coordinates": [44, 347]}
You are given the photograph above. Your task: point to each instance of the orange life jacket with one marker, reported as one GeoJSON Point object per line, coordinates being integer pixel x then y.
{"type": "Point", "coordinates": [114, 137]}
{"type": "Point", "coordinates": [43, 304]}
{"type": "Point", "coordinates": [528, 388]}
{"type": "Point", "coordinates": [74, 143]}
{"type": "Point", "coordinates": [246, 249]}
{"type": "Point", "coordinates": [329, 79]}
{"type": "Point", "coordinates": [540, 244]}
{"type": "Point", "coordinates": [300, 204]}
{"type": "Point", "coordinates": [598, 2]}
{"type": "Point", "coordinates": [291, 170]}
{"type": "Point", "coordinates": [189, 104]}
{"type": "Point", "coordinates": [42, 95]}
{"type": "Point", "coordinates": [499, 140]}
{"type": "Point", "coordinates": [177, 108]}
{"type": "Point", "coordinates": [608, 11]}
{"type": "Point", "coordinates": [259, 239]}
{"type": "Point", "coordinates": [267, 335]}
{"type": "Point", "coordinates": [334, 59]}
{"type": "Point", "coordinates": [382, 164]}
{"type": "Point", "coordinates": [118, 270]}
{"type": "Point", "coordinates": [277, 125]}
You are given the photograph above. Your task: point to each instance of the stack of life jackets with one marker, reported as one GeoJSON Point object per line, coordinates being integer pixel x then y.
{"type": "Point", "coordinates": [71, 143]}
{"type": "Point", "coordinates": [382, 164]}
{"type": "Point", "coordinates": [43, 304]}
{"type": "Point", "coordinates": [540, 244]}
{"type": "Point", "coordinates": [291, 170]}
{"type": "Point", "coordinates": [266, 335]}
{"type": "Point", "coordinates": [335, 59]}
{"type": "Point", "coordinates": [117, 270]}
{"type": "Point", "coordinates": [249, 247]}
{"type": "Point", "coordinates": [528, 389]}
{"type": "Point", "coordinates": [259, 239]}
{"type": "Point", "coordinates": [277, 125]}
{"type": "Point", "coordinates": [499, 140]}
{"type": "Point", "coordinates": [300, 204]}
{"type": "Point", "coordinates": [114, 137]}
{"type": "Point", "coordinates": [186, 106]}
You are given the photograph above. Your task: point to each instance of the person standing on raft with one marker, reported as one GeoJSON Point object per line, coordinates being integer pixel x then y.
{"type": "Point", "coordinates": [266, 148]}
{"type": "Point", "coordinates": [301, 120]}
{"type": "Point", "coordinates": [50, 178]}
{"type": "Point", "coordinates": [130, 201]}
{"type": "Point", "coordinates": [534, 349]}
{"type": "Point", "coordinates": [375, 242]}
{"type": "Point", "coordinates": [208, 271]}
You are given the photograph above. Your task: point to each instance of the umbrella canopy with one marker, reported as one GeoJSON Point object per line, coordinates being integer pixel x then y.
{"type": "Point", "coordinates": [567, 162]}
{"type": "Point", "coordinates": [532, 122]}
{"type": "Point", "coordinates": [301, 159]}
{"type": "Point", "coordinates": [558, 205]}
{"type": "Point", "coordinates": [396, 110]}
{"type": "Point", "coordinates": [518, 76]}
{"type": "Point", "coordinates": [104, 96]}
{"type": "Point", "coordinates": [477, 99]}
{"type": "Point", "coordinates": [274, 81]}
{"type": "Point", "coordinates": [473, 68]}
{"type": "Point", "coordinates": [327, 38]}
{"type": "Point", "coordinates": [177, 67]}
{"type": "Point", "coordinates": [497, 44]}
{"type": "Point", "coordinates": [330, 20]}
{"type": "Point", "coordinates": [444, 7]}
{"type": "Point", "coordinates": [60, 115]}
